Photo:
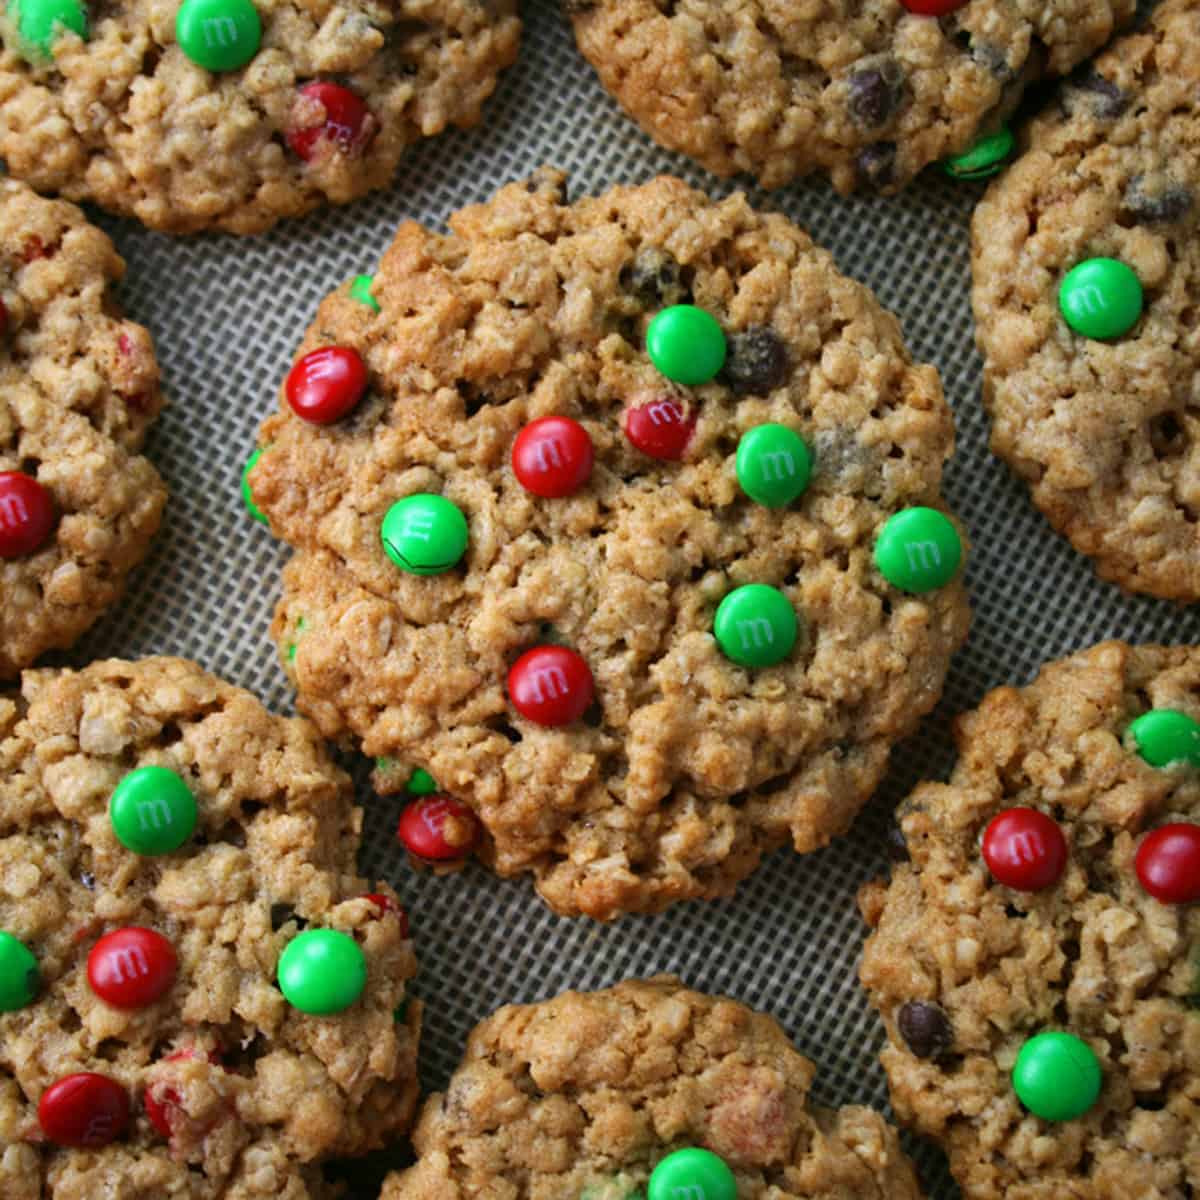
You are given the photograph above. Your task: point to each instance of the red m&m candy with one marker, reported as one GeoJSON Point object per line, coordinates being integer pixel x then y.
{"type": "Point", "coordinates": [329, 113]}
{"type": "Point", "coordinates": [553, 456]}
{"type": "Point", "coordinates": [438, 828]}
{"type": "Point", "coordinates": [162, 1102]}
{"type": "Point", "coordinates": [1024, 849]}
{"type": "Point", "coordinates": [660, 428]}
{"type": "Point", "coordinates": [26, 514]}
{"type": "Point", "coordinates": [1168, 863]}
{"type": "Point", "coordinates": [131, 967]}
{"type": "Point", "coordinates": [385, 904]}
{"type": "Point", "coordinates": [550, 685]}
{"type": "Point", "coordinates": [326, 384]}
{"type": "Point", "coordinates": [85, 1110]}
{"type": "Point", "coordinates": [932, 8]}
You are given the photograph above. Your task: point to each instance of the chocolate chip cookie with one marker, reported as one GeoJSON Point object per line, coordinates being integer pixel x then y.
{"type": "Point", "coordinates": [78, 389]}
{"type": "Point", "coordinates": [589, 1093]}
{"type": "Point", "coordinates": [531, 561]}
{"type": "Point", "coordinates": [196, 996]}
{"type": "Point", "coordinates": [231, 114]}
{"type": "Point", "coordinates": [1037, 960]}
{"type": "Point", "coordinates": [868, 92]}
{"type": "Point", "coordinates": [1086, 268]}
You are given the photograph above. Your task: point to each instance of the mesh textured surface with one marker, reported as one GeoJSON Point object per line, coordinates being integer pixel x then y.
{"type": "Point", "coordinates": [227, 313]}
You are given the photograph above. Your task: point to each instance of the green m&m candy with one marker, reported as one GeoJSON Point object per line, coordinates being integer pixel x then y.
{"type": "Point", "coordinates": [360, 290]}
{"type": "Point", "coordinates": [691, 1174]}
{"type": "Point", "coordinates": [918, 550]}
{"type": "Point", "coordinates": [773, 465]}
{"type": "Point", "coordinates": [686, 344]}
{"type": "Point", "coordinates": [1100, 298]}
{"type": "Point", "coordinates": [19, 979]}
{"type": "Point", "coordinates": [152, 811]}
{"type": "Point", "coordinates": [218, 35]}
{"type": "Point", "coordinates": [420, 783]}
{"type": "Point", "coordinates": [322, 971]}
{"type": "Point", "coordinates": [424, 534]}
{"type": "Point", "coordinates": [247, 495]}
{"type": "Point", "coordinates": [984, 158]}
{"type": "Point", "coordinates": [41, 22]}
{"type": "Point", "coordinates": [756, 625]}
{"type": "Point", "coordinates": [1164, 736]}
{"type": "Point", "coordinates": [1057, 1076]}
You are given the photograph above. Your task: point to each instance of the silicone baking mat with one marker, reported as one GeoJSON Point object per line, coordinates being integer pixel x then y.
{"type": "Point", "coordinates": [226, 314]}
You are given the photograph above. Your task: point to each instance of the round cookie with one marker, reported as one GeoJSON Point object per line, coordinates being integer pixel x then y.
{"type": "Point", "coordinates": [78, 389]}
{"type": "Point", "coordinates": [869, 93]}
{"type": "Point", "coordinates": [585, 1094]}
{"type": "Point", "coordinates": [1006, 1008]}
{"type": "Point", "coordinates": [684, 767]}
{"type": "Point", "coordinates": [1102, 424]}
{"type": "Point", "coordinates": [228, 114]}
{"type": "Point", "coordinates": [232, 1092]}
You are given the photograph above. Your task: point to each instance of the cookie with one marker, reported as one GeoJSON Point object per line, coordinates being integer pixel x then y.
{"type": "Point", "coordinates": [1037, 960]}
{"type": "Point", "coordinates": [587, 1094]}
{"type": "Point", "coordinates": [175, 865]}
{"type": "Point", "coordinates": [1086, 267]}
{"type": "Point", "coordinates": [868, 92]}
{"type": "Point", "coordinates": [230, 114]}
{"type": "Point", "coordinates": [640, 678]}
{"type": "Point", "coordinates": [78, 389]}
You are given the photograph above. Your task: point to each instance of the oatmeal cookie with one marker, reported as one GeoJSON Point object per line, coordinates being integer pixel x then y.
{"type": "Point", "coordinates": [868, 92]}
{"type": "Point", "coordinates": [231, 114]}
{"type": "Point", "coordinates": [145, 1047]}
{"type": "Point", "coordinates": [78, 389]}
{"type": "Point", "coordinates": [571, 678]}
{"type": "Point", "coordinates": [1086, 277]}
{"type": "Point", "coordinates": [583, 1095]}
{"type": "Point", "coordinates": [1036, 961]}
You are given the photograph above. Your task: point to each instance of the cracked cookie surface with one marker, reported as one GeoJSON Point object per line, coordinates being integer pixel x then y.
{"type": "Point", "coordinates": [1106, 433]}
{"type": "Point", "coordinates": [869, 93]}
{"type": "Point", "coordinates": [965, 970]}
{"type": "Point", "coordinates": [582, 1095]}
{"type": "Point", "coordinates": [687, 768]}
{"type": "Point", "coordinates": [253, 1091]}
{"type": "Point", "coordinates": [78, 389]}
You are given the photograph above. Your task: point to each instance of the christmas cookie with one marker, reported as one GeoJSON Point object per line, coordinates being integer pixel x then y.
{"type": "Point", "coordinates": [1037, 959]}
{"type": "Point", "coordinates": [621, 519]}
{"type": "Point", "coordinates": [198, 996]}
{"type": "Point", "coordinates": [230, 114]}
{"type": "Point", "coordinates": [78, 389]}
{"type": "Point", "coordinates": [1086, 264]}
{"type": "Point", "coordinates": [644, 1089]}
{"type": "Point", "coordinates": [868, 92]}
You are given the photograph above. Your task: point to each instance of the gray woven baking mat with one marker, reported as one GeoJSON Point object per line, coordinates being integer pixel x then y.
{"type": "Point", "coordinates": [226, 314]}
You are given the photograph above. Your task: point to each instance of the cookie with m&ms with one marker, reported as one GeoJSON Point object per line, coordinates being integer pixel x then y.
{"type": "Point", "coordinates": [868, 93]}
{"type": "Point", "coordinates": [1085, 257]}
{"type": "Point", "coordinates": [628, 531]}
{"type": "Point", "coordinates": [233, 114]}
{"type": "Point", "coordinates": [646, 1089]}
{"type": "Point", "coordinates": [1036, 954]}
{"type": "Point", "coordinates": [198, 994]}
{"type": "Point", "coordinates": [79, 388]}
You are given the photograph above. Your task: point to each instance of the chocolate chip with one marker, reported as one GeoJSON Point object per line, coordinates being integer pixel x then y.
{"type": "Point", "coordinates": [756, 361]}
{"type": "Point", "coordinates": [925, 1028]}
{"type": "Point", "coordinates": [897, 847]}
{"type": "Point", "coordinates": [876, 164]}
{"type": "Point", "coordinates": [281, 914]}
{"type": "Point", "coordinates": [655, 278]}
{"type": "Point", "coordinates": [1107, 100]}
{"type": "Point", "coordinates": [1156, 199]}
{"type": "Point", "coordinates": [875, 91]}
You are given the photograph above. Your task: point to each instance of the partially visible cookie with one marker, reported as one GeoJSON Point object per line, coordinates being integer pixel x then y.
{"type": "Point", "coordinates": [868, 92]}
{"type": "Point", "coordinates": [1037, 961]}
{"type": "Point", "coordinates": [232, 114]}
{"type": "Point", "coordinates": [78, 388]}
{"type": "Point", "coordinates": [1094, 404]}
{"type": "Point", "coordinates": [160, 970]}
{"type": "Point", "coordinates": [586, 1094]}
{"type": "Point", "coordinates": [662, 643]}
